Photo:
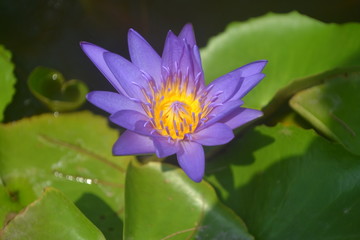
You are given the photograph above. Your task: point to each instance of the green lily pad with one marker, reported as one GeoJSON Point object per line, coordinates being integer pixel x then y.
{"type": "Point", "coordinates": [163, 203]}
{"type": "Point", "coordinates": [52, 216]}
{"type": "Point", "coordinates": [301, 51]}
{"type": "Point", "coordinates": [334, 109]}
{"type": "Point", "coordinates": [50, 87]}
{"type": "Point", "coordinates": [290, 183]}
{"type": "Point", "coordinates": [9, 204]}
{"type": "Point", "coordinates": [71, 152]}
{"type": "Point", "coordinates": [7, 79]}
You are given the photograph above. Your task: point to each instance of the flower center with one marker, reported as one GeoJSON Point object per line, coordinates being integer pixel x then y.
{"type": "Point", "coordinates": [176, 113]}
{"type": "Point", "coordinates": [176, 108]}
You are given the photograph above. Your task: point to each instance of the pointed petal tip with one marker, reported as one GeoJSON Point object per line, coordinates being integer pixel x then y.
{"type": "Point", "coordinates": [116, 151]}
{"type": "Point", "coordinates": [96, 55]}
{"type": "Point", "coordinates": [188, 24]}
{"type": "Point", "coordinates": [196, 176]}
{"type": "Point", "coordinates": [259, 113]}
{"type": "Point", "coordinates": [81, 43]}
{"type": "Point", "coordinates": [170, 34]}
{"type": "Point", "coordinates": [133, 32]}
{"type": "Point", "coordinates": [196, 179]}
{"type": "Point", "coordinates": [187, 34]}
{"type": "Point", "coordinates": [188, 27]}
{"type": "Point", "coordinates": [88, 96]}
{"type": "Point", "coordinates": [191, 159]}
{"type": "Point", "coordinates": [85, 46]}
{"type": "Point", "coordinates": [143, 55]}
{"type": "Point", "coordinates": [262, 62]}
{"type": "Point", "coordinates": [253, 67]}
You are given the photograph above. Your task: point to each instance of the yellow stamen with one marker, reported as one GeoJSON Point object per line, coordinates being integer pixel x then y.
{"type": "Point", "coordinates": [175, 111]}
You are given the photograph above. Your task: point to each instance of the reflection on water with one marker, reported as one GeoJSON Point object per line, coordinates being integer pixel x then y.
{"type": "Point", "coordinates": [75, 178]}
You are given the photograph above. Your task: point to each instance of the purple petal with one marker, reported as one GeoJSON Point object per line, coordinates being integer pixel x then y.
{"type": "Point", "coordinates": [112, 102]}
{"type": "Point", "coordinates": [187, 33]}
{"type": "Point", "coordinates": [143, 55]}
{"type": "Point", "coordinates": [197, 64]}
{"type": "Point", "coordinates": [130, 143]}
{"type": "Point", "coordinates": [187, 65]}
{"type": "Point", "coordinates": [248, 84]}
{"type": "Point", "coordinates": [179, 56]}
{"type": "Point", "coordinates": [173, 50]}
{"type": "Point", "coordinates": [191, 62]}
{"type": "Point", "coordinates": [216, 134]}
{"type": "Point", "coordinates": [95, 53]}
{"type": "Point", "coordinates": [253, 68]}
{"type": "Point", "coordinates": [221, 111]}
{"type": "Point", "coordinates": [251, 74]}
{"type": "Point", "coordinates": [164, 148]}
{"type": "Point", "coordinates": [191, 159]}
{"type": "Point", "coordinates": [134, 121]}
{"type": "Point", "coordinates": [128, 74]}
{"type": "Point", "coordinates": [227, 85]}
{"type": "Point", "coordinates": [241, 116]}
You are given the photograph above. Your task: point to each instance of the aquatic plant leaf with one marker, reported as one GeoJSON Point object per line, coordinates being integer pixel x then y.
{"type": "Point", "coordinates": [71, 152]}
{"type": "Point", "coordinates": [163, 203]}
{"type": "Point", "coordinates": [50, 87]}
{"type": "Point", "coordinates": [301, 52]}
{"type": "Point", "coordinates": [290, 183]}
{"type": "Point", "coordinates": [52, 216]}
{"type": "Point", "coordinates": [334, 109]}
{"type": "Point", "coordinates": [7, 79]}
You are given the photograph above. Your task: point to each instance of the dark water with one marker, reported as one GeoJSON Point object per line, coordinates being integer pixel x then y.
{"type": "Point", "coordinates": [48, 32]}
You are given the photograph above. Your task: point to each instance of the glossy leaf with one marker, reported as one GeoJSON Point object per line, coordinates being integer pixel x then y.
{"type": "Point", "coordinates": [71, 152]}
{"type": "Point", "coordinates": [9, 204]}
{"type": "Point", "coordinates": [334, 109]}
{"type": "Point", "coordinates": [53, 216]}
{"type": "Point", "coordinates": [301, 51]}
{"type": "Point", "coordinates": [289, 183]}
{"type": "Point", "coordinates": [163, 203]}
{"type": "Point", "coordinates": [50, 87]}
{"type": "Point", "coordinates": [7, 79]}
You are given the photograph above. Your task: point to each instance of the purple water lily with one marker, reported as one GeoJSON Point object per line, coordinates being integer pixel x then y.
{"type": "Point", "coordinates": [164, 104]}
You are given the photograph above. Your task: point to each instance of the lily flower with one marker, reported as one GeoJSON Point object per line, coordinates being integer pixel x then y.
{"type": "Point", "coordinates": [165, 105]}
